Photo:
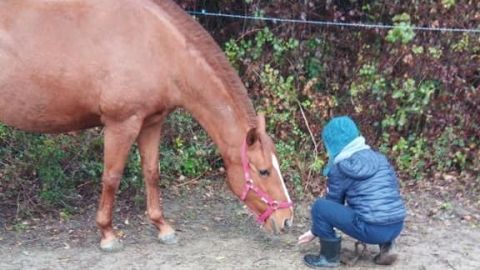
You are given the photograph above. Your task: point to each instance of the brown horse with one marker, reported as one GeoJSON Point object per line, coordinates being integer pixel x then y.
{"type": "Point", "coordinates": [125, 65]}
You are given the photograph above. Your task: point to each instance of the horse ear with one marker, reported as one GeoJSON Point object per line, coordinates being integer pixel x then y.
{"type": "Point", "coordinates": [261, 122]}
{"type": "Point", "coordinates": [252, 136]}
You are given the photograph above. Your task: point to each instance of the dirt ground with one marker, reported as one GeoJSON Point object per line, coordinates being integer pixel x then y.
{"type": "Point", "coordinates": [216, 232]}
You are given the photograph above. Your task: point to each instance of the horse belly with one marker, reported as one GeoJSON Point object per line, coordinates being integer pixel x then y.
{"type": "Point", "coordinates": [33, 107]}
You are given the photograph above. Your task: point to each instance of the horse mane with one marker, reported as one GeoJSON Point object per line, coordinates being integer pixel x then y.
{"type": "Point", "coordinates": [214, 56]}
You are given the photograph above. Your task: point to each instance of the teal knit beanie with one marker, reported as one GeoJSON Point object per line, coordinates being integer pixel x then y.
{"type": "Point", "coordinates": [339, 132]}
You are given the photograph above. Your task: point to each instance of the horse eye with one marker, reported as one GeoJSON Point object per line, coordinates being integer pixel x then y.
{"type": "Point", "coordinates": [264, 172]}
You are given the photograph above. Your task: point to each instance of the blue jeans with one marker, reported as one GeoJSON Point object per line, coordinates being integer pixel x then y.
{"type": "Point", "coordinates": [327, 215]}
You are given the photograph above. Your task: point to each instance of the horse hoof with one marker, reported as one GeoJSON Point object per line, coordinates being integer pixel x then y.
{"type": "Point", "coordinates": [168, 239]}
{"type": "Point", "coordinates": [111, 246]}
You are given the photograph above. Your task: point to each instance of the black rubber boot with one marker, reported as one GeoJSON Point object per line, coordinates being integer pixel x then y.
{"type": "Point", "coordinates": [329, 254]}
{"type": "Point", "coordinates": [385, 257]}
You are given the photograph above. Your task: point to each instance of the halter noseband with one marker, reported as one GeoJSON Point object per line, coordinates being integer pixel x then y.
{"type": "Point", "coordinates": [273, 205]}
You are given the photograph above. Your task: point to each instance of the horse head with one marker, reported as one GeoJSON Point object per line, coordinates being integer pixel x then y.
{"type": "Point", "coordinates": [262, 187]}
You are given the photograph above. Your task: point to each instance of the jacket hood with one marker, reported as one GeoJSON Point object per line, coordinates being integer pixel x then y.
{"type": "Point", "coordinates": [361, 165]}
{"type": "Point", "coordinates": [339, 132]}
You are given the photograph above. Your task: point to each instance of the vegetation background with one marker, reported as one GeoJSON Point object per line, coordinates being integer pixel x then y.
{"type": "Point", "coordinates": [415, 95]}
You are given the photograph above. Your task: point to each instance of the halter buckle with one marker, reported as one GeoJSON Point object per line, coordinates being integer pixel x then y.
{"type": "Point", "coordinates": [274, 205]}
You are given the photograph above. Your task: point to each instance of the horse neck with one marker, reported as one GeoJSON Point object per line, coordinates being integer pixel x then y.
{"type": "Point", "coordinates": [225, 119]}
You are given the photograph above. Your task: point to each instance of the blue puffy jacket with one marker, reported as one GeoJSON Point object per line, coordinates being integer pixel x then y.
{"type": "Point", "coordinates": [367, 183]}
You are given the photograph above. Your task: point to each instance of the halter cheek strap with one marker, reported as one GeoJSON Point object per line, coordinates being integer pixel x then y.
{"type": "Point", "coordinates": [272, 205]}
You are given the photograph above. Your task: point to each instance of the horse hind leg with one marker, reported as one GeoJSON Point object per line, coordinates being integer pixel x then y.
{"type": "Point", "coordinates": [119, 137]}
{"type": "Point", "coordinates": [148, 144]}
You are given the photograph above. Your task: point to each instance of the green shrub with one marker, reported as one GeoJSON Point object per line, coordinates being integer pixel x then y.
{"type": "Point", "coordinates": [402, 31]}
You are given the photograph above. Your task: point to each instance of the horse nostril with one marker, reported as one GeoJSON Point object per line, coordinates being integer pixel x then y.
{"type": "Point", "coordinates": [288, 223]}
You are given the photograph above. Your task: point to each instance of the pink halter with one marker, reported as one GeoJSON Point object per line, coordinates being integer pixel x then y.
{"type": "Point", "coordinates": [249, 185]}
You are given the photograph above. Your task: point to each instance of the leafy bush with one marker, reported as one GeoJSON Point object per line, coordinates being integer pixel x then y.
{"type": "Point", "coordinates": [414, 93]}
{"type": "Point", "coordinates": [49, 170]}
{"type": "Point", "coordinates": [186, 149]}
{"type": "Point", "coordinates": [402, 31]}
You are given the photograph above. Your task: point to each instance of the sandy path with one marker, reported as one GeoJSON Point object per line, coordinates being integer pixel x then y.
{"type": "Point", "coordinates": [218, 234]}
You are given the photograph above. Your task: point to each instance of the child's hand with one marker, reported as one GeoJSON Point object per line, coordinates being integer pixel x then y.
{"type": "Point", "coordinates": [306, 237]}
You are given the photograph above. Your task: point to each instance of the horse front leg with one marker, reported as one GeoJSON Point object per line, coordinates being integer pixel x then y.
{"type": "Point", "coordinates": [118, 139]}
{"type": "Point", "coordinates": [148, 144]}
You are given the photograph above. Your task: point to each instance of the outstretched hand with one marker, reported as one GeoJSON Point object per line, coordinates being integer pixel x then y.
{"type": "Point", "coordinates": [306, 237]}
